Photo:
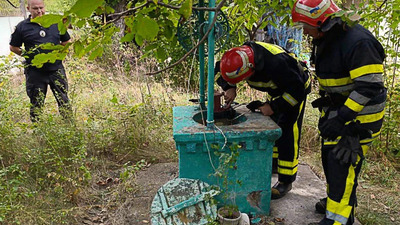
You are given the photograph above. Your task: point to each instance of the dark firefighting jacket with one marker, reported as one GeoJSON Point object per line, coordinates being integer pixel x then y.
{"type": "Point", "coordinates": [349, 67]}
{"type": "Point", "coordinates": [278, 73]}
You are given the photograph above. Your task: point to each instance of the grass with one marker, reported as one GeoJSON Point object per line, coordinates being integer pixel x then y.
{"type": "Point", "coordinates": [122, 123]}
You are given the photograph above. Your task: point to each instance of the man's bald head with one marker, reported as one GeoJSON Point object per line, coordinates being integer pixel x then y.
{"type": "Point", "coordinates": [36, 8]}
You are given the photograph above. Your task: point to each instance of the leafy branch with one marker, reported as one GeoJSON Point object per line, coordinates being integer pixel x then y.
{"type": "Point", "coordinates": [196, 46]}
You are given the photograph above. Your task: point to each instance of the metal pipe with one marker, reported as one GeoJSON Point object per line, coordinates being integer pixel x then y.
{"type": "Point", "coordinates": [211, 47]}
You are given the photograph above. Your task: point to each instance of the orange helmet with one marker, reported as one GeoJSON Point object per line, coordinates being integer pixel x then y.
{"type": "Point", "coordinates": [313, 12]}
{"type": "Point", "coordinates": [237, 64]}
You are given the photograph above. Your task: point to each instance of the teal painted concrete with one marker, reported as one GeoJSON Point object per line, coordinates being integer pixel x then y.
{"type": "Point", "coordinates": [255, 134]}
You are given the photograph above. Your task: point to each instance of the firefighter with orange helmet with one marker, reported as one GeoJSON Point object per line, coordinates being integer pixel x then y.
{"type": "Point", "coordinates": [270, 68]}
{"type": "Point", "coordinates": [349, 66]}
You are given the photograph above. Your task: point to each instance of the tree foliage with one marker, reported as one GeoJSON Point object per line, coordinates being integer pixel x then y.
{"type": "Point", "coordinates": [153, 24]}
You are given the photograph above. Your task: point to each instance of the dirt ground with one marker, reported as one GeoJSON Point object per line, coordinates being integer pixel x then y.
{"type": "Point", "coordinates": [297, 208]}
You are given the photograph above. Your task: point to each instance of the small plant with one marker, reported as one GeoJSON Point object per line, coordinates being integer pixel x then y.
{"type": "Point", "coordinates": [227, 163]}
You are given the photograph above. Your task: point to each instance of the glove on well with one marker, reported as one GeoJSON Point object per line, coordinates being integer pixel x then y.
{"type": "Point", "coordinates": [254, 105]}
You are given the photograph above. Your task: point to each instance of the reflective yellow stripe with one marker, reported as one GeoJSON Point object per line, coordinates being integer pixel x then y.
{"type": "Point", "coordinates": [351, 175]}
{"type": "Point", "coordinates": [274, 49]}
{"type": "Point", "coordinates": [296, 134]}
{"type": "Point", "coordinates": [292, 101]}
{"type": "Point", "coordinates": [371, 117]}
{"type": "Point", "coordinates": [335, 82]}
{"type": "Point", "coordinates": [307, 82]}
{"type": "Point", "coordinates": [373, 68]}
{"type": "Point", "coordinates": [365, 149]}
{"type": "Point", "coordinates": [337, 211]}
{"type": "Point", "coordinates": [275, 152]}
{"type": "Point", "coordinates": [353, 105]}
{"type": "Point", "coordinates": [288, 163]}
{"type": "Point", "coordinates": [286, 171]}
{"type": "Point", "coordinates": [270, 84]}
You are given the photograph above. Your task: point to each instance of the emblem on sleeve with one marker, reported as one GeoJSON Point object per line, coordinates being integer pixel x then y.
{"type": "Point", "coordinates": [42, 33]}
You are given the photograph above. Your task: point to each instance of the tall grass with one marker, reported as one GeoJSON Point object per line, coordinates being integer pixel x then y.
{"type": "Point", "coordinates": [45, 167]}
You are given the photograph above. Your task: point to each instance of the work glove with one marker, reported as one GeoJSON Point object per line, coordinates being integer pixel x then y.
{"type": "Point", "coordinates": [254, 105]}
{"type": "Point", "coordinates": [320, 103]}
{"type": "Point", "coordinates": [348, 147]}
{"type": "Point", "coordinates": [347, 150]}
{"type": "Point", "coordinates": [332, 128]}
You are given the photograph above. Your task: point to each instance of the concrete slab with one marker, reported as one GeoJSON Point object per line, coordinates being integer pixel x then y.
{"type": "Point", "coordinates": [297, 207]}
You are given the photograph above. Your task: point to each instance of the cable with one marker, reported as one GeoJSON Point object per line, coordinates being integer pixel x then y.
{"type": "Point", "coordinates": [11, 4]}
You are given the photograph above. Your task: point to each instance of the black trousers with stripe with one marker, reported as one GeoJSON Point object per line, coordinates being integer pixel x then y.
{"type": "Point", "coordinates": [286, 150]}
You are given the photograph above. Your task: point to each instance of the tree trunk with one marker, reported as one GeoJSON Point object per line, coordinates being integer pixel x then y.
{"type": "Point", "coordinates": [120, 23]}
{"type": "Point", "coordinates": [22, 7]}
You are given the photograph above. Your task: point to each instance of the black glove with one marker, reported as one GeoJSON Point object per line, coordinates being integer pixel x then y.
{"type": "Point", "coordinates": [348, 147]}
{"type": "Point", "coordinates": [254, 105]}
{"type": "Point", "coordinates": [332, 128]}
{"type": "Point", "coordinates": [347, 150]}
{"type": "Point", "coordinates": [320, 103]}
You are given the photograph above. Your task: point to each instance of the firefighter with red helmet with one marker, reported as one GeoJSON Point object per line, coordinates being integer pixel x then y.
{"type": "Point", "coordinates": [349, 66]}
{"type": "Point", "coordinates": [270, 68]}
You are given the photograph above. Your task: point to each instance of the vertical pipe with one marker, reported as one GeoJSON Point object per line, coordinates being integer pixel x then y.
{"type": "Point", "coordinates": [210, 93]}
{"type": "Point", "coordinates": [201, 59]}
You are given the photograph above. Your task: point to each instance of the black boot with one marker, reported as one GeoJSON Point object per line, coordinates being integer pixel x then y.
{"type": "Point", "coordinates": [320, 206]}
{"type": "Point", "coordinates": [280, 189]}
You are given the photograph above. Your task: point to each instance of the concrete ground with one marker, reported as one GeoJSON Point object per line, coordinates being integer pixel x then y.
{"type": "Point", "coordinates": [297, 208]}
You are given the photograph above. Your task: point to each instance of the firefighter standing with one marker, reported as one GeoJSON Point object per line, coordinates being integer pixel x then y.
{"type": "Point", "coordinates": [349, 66]}
{"type": "Point", "coordinates": [269, 68]}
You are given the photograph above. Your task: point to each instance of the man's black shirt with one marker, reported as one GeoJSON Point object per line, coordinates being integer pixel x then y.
{"type": "Point", "coordinates": [32, 34]}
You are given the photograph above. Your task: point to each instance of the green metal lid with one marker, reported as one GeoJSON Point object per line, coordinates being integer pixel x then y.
{"type": "Point", "coordinates": [184, 201]}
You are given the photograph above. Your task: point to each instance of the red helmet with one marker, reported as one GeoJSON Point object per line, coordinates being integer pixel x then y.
{"type": "Point", "coordinates": [237, 64]}
{"type": "Point", "coordinates": [313, 12]}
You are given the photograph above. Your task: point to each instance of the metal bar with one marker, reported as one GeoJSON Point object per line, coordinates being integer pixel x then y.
{"type": "Point", "coordinates": [211, 47]}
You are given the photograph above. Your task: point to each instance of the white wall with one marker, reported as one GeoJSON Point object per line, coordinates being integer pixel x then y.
{"type": "Point", "coordinates": [7, 25]}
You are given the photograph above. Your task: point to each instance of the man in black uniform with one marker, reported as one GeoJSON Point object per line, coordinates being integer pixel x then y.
{"type": "Point", "coordinates": [269, 68]}
{"type": "Point", "coordinates": [349, 66]}
{"type": "Point", "coordinates": [53, 74]}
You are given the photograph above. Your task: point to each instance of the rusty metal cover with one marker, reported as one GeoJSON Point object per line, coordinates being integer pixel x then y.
{"type": "Point", "coordinates": [183, 201]}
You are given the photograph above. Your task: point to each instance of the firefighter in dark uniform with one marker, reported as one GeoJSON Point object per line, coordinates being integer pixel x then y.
{"type": "Point", "coordinates": [349, 66]}
{"type": "Point", "coordinates": [270, 68]}
{"type": "Point", "coordinates": [31, 35]}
